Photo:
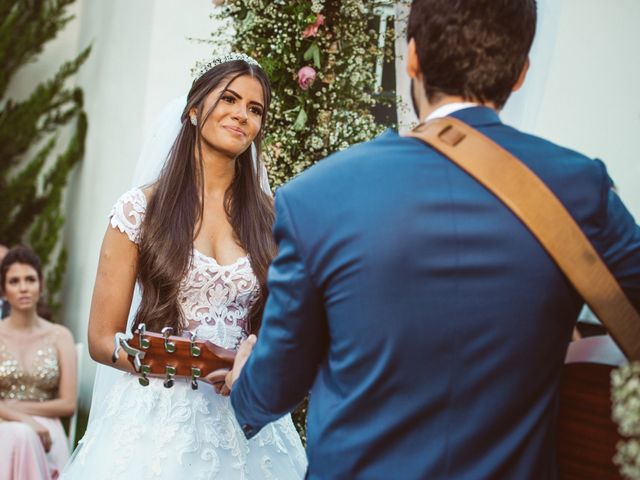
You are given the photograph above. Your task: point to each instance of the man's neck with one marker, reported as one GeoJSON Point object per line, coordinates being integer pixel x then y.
{"type": "Point", "coordinates": [427, 109]}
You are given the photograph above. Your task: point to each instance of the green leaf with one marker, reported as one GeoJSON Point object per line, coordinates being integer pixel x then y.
{"type": "Point", "coordinates": [313, 52]}
{"type": "Point", "coordinates": [301, 120]}
{"type": "Point", "coordinates": [295, 109]}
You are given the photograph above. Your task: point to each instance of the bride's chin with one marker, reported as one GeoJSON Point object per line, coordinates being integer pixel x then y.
{"type": "Point", "coordinates": [228, 149]}
{"type": "Point", "coordinates": [232, 152]}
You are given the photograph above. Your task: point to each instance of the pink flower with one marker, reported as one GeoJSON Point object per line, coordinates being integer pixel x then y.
{"type": "Point", "coordinates": [306, 77]}
{"type": "Point", "coordinates": [312, 30]}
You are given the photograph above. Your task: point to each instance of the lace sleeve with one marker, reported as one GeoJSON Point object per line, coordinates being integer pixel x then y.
{"type": "Point", "coordinates": [128, 213]}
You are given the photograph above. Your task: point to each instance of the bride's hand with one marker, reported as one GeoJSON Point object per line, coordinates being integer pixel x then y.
{"type": "Point", "coordinates": [243, 354]}
{"type": "Point", "coordinates": [222, 389]}
{"type": "Point", "coordinates": [216, 379]}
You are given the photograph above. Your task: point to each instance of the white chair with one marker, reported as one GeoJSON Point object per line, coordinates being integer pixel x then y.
{"type": "Point", "coordinates": [73, 421]}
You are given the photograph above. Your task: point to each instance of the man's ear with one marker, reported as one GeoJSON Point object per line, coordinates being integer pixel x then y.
{"type": "Point", "coordinates": [521, 77]}
{"type": "Point", "coordinates": [413, 62]}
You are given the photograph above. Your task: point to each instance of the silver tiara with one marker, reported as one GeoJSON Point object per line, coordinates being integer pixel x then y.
{"type": "Point", "coordinates": [202, 67]}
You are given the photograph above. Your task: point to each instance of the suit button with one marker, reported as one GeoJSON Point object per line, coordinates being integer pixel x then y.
{"type": "Point", "coordinates": [247, 429]}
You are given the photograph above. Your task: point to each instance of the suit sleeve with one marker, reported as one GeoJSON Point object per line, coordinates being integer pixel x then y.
{"type": "Point", "coordinates": [618, 240]}
{"type": "Point", "coordinates": [292, 339]}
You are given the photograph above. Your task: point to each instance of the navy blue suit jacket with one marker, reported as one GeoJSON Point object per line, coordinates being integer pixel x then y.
{"type": "Point", "coordinates": [428, 323]}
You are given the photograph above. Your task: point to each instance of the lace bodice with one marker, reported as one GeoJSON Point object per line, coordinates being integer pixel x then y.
{"type": "Point", "coordinates": [37, 381]}
{"type": "Point", "coordinates": [215, 299]}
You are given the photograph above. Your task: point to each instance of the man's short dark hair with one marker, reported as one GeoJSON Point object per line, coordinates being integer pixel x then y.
{"type": "Point", "coordinates": [474, 49]}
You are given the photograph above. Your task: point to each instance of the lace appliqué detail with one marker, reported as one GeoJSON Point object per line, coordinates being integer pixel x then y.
{"type": "Point", "coordinates": [128, 213]}
{"type": "Point", "coordinates": [159, 433]}
{"type": "Point", "coordinates": [215, 299]}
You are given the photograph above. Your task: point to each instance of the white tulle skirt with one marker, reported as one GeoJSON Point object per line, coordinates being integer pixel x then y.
{"type": "Point", "coordinates": [158, 433]}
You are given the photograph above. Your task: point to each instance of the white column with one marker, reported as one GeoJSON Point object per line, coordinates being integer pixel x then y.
{"type": "Point", "coordinates": [406, 115]}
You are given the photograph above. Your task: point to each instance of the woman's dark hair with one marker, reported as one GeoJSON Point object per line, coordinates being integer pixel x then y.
{"type": "Point", "coordinates": [20, 254]}
{"type": "Point", "coordinates": [474, 49]}
{"type": "Point", "coordinates": [169, 228]}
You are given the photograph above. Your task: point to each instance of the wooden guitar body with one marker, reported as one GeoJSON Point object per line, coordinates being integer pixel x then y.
{"type": "Point", "coordinates": [587, 436]}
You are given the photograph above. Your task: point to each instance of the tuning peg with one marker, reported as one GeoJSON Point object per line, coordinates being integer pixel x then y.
{"type": "Point", "coordinates": [195, 374]}
{"type": "Point", "coordinates": [144, 342]}
{"type": "Point", "coordinates": [170, 373]}
{"type": "Point", "coordinates": [120, 341]}
{"type": "Point", "coordinates": [144, 371]}
{"type": "Point", "coordinates": [195, 349]}
{"type": "Point", "coordinates": [116, 349]}
{"type": "Point", "coordinates": [137, 362]}
{"type": "Point", "coordinates": [169, 346]}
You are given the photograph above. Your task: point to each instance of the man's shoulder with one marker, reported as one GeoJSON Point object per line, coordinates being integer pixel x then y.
{"type": "Point", "coordinates": [545, 144]}
{"type": "Point", "coordinates": [522, 144]}
{"type": "Point", "coordinates": [355, 160]}
{"type": "Point", "coordinates": [547, 157]}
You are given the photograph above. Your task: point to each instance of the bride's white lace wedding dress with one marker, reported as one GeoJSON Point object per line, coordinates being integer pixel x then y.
{"type": "Point", "coordinates": [171, 433]}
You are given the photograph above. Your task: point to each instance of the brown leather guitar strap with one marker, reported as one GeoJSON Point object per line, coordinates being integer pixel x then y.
{"type": "Point", "coordinates": [540, 210]}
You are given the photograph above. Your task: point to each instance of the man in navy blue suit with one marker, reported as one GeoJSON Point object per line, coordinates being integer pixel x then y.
{"type": "Point", "coordinates": [428, 324]}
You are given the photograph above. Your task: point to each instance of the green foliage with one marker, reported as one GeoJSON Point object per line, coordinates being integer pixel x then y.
{"type": "Point", "coordinates": [338, 40]}
{"type": "Point", "coordinates": [31, 182]}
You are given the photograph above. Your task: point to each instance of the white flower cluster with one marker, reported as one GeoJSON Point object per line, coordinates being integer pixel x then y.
{"type": "Point", "coordinates": [625, 395]}
{"type": "Point", "coordinates": [317, 6]}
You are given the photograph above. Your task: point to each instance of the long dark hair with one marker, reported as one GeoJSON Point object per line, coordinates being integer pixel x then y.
{"type": "Point", "coordinates": [176, 207]}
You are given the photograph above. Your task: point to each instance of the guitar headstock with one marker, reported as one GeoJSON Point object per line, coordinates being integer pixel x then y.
{"type": "Point", "coordinates": [171, 356]}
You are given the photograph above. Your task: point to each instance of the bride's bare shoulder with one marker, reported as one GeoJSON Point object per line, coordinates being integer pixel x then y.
{"type": "Point", "coordinates": [149, 190]}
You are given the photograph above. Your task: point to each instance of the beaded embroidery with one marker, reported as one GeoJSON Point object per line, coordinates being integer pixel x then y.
{"type": "Point", "coordinates": [35, 382]}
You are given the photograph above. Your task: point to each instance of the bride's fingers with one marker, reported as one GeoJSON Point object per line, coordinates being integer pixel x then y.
{"type": "Point", "coordinates": [246, 347]}
{"type": "Point", "coordinates": [244, 351]}
{"type": "Point", "coordinates": [217, 376]}
{"type": "Point", "coordinates": [224, 390]}
{"type": "Point", "coordinates": [221, 389]}
{"type": "Point", "coordinates": [228, 381]}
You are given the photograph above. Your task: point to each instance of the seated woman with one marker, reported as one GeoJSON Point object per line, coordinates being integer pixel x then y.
{"type": "Point", "coordinates": [37, 376]}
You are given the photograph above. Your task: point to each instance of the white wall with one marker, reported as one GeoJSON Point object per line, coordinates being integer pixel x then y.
{"type": "Point", "coordinates": [592, 95]}
{"type": "Point", "coordinates": [141, 59]}
{"type": "Point", "coordinates": [582, 89]}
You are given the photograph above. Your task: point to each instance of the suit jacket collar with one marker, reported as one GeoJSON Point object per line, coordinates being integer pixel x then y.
{"type": "Point", "coordinates": [477, 116]}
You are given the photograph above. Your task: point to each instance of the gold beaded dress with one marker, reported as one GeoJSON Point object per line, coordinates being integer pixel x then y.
{"type": "Point", "coordinates": [21, 452]}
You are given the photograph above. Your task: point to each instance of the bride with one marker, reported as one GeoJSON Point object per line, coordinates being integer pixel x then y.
{"type": "Point", "coordinates": [197, 240]}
